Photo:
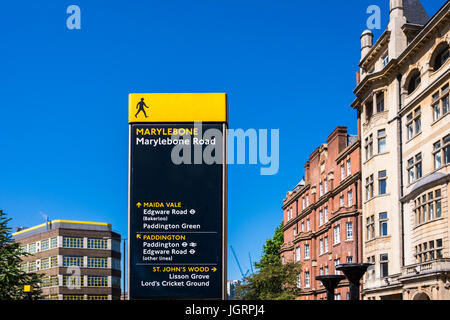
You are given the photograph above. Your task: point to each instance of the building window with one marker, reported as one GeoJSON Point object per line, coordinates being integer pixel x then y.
{"type": "Point", "coordinates": [428, 251]}
{"type": "Point", "coordinates": [369, 110]}
{"type": "Point", "coordinates": [53, 262]}
{"type": "Point", "coordinates": [370, 227]}
{"type": "Point", "coordinates": [371, 269]}
{"type": "Point", "coordinates": [349, 259]}
{"type": "Point", "coordinates": [441, 152]}
{"type": "Point", "coordinates": [325, 185]}
{"type": "Point", "coordinates": [45, 244]}
{"type": "Point", "coordinates": [297, 254]}
{"type": "Point", "coordinates": [97, 297]}
{"type": "Point", "coordinates": [320, 189]}
{"type": "Point", "coordinates": [336, 263]}
{"type": "Point", "coordinates": [72, 261]}
{"type": "Point", "coordinates": [414, 81]}
{"type": "Point", "coordinates": [307, 282]}
{"type": "Point", "coordinates": [72, 242]}
{"type": "Point", "coordinates": [381, 141]}
{"type": "Point", "coordinates": [24, 267]}
{"type": "Point", "coordinates": [325, 213]}
{"type": "Point", "coordinates": [441, 56]}
{"type": "Point", "coordinates": [73, 297]}
{"type": "Point", "coordinates": [71, 281]}
{"type": "Point", "coordinates": [428, 206]}
{"type": "Point", "coordinates": [349, 230]}
{"type": "Point", "coordinates": [45, 263]}
{"type": "Point", "coordinates": [413, 123]}
{"type": "Point", "coordinates": [320, 217]}
{"type": "Point", "coordinates": [414, 168]}
{"type": "Point", "coordinates": [385, 59]}
{"type": "Point", "coordinates": [320, 246]}
{"type": "Point", "coordinates": [383, 219]}
{"type": "Point", "coordinates": [45, 282]}
{"type": "Point", "coordinates": [308, 225]}
{"type": "Point", "coordinates": [299, 281]}
{"type": "Point", "coordinates": [24, 249]}
{"type": "Point", "coordinates": [440, 103]}
{"type": "Point", "coordinates": [368, 147]}
{"type": "Point", "coordinates": [97, 262]}
{"type": "Point", "coordinates": [99, 243]}
{"type": "Point", "coordinates": [32, 266]}
{"type": "Point", "coordinates": [307, 200]}
{"type": "Point", "coordinates": [53, 243]}
{"type": "Point", "coordinates": [350, 198]}
{"type": "Point", "coordinates": [306, 251]}
{"type": "Point", "coordinates": [349, 167]}
{"type": "Point", "coordinates": [325, 270]}
{"type": "Point", "coordinates": [303, 227]}
{"type": "Point", "coordinates": [382, 182]}
{"type": "Point", "coordinates": [341, 201]}
{"type": "Point", "coordinates": [97, 281]}
{"type": "Point", "coordinates": [321, 271]}
{"type": "Point", "coordinates": [369, 187]}
{"type": "Point", "coordinates": [380, 102]}
{"type": "Point", "coordinates": [384, 262]}
{"type": "Point", "coordinates": [32, 248]}
{"type": "Point", "coordinates": [325, 241]}
{"type": "Point", "coordinates": [303, 203]}
{"type": "Point", "coordinates": [337, 234]}
{"type": "Point", "coordinates": [342, 172]}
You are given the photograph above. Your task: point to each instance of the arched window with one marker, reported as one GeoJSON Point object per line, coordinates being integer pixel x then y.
{"type": "Point", "coordinates": [440, 56]}
{"type": "Point", "coordinates": [414, 81]}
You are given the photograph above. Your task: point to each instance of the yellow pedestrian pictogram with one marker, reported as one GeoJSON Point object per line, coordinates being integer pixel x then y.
{"type": "Point", "coordinates": [177, 107]}
{"type": "Point", "coordinates": [138, 236]}
{"type": "Point", "coordinates": [138, 204]}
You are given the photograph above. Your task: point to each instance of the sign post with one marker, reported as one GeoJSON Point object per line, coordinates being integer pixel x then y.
{"type": "Point", "coordinates": [177, 196]}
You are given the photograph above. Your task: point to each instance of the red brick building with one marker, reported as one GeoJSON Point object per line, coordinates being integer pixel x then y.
{"type": "Point", "coordinates": [322, 214]}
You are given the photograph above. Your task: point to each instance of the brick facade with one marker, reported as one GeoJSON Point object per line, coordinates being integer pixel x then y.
{"type": "Point", "coordinates": [322, 216]}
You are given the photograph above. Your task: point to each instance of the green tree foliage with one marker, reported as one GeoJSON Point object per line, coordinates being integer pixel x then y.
{"type": "Point", "coordinates": [273, 280]}
{"type": "Point", "coordinates": [12, 278]}
{"type": "Point", "coordinates": [271, 249]}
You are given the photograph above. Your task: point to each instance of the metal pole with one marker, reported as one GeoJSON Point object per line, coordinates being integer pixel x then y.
{"type": "Point", "coordinates": [124, 266]}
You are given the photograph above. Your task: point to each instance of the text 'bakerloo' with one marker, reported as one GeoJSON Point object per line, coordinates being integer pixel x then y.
{"type": "Point", "coordinates": [194, 146]}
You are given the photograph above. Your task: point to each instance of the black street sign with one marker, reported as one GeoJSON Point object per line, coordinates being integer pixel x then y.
{"type": "Point", "coordinates": [176, 217]}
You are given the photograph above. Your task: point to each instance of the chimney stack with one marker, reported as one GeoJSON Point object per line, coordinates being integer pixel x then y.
{"type": "Point", "coordinates": [366, 42]}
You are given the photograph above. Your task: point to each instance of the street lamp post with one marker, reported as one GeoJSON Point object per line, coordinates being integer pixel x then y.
{"type": "Point", "coordinates": [330, 282]}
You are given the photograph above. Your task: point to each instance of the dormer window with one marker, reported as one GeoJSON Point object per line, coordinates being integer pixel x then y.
{"type": "Point", "coordinates": [414, 81]}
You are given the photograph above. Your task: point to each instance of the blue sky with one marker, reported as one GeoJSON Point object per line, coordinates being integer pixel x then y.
{"type": "Point", "coordinates": [287, 65]}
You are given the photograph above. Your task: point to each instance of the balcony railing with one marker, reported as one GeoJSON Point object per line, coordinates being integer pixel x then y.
{"type": "Point", "coordinates": [440, 265]}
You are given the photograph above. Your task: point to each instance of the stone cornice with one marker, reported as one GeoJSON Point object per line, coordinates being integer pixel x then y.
{"type": "Point", "coordinates": [322, 200]}
{"type": "Point", "coordinates": [295, 195]}
{"type": "Point", "coordinates": [354, 145]}
{"type": "Point", "coordinates": [394, 65]}
{"type": "Point", "coordinates": [379, 46]}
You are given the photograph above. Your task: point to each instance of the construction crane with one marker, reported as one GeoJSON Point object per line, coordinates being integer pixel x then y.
{"type": "Point", "coordinates": [239, 265]}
